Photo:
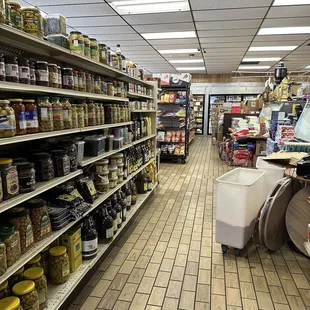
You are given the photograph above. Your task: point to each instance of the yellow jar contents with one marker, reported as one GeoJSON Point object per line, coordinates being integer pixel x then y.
{"type": "Point", "coordinates": [94, 49]}
{"type": "Point", "coordinates": [27, 293]}
{"type": "Point", "coordinates": [76, 42]}
{"type": "Point", "coordinates": [32, 21]}
{"type": "Point", "coordinates": [10, 303]}
{"type": "Point", "coordinates": [59, 268]}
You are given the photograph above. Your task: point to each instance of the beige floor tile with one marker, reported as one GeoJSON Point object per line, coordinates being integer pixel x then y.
{"type": "Point", "coordinates": [277, 294]}
{"type": "Point", "coordinates": [180, 260]}
{"type": "Point", "coordinates": [108, 300]}
{"type": "Point", "coordinates": [119, 259]}
{"type": "Point", "coordinates": [177, 273]}
{"type": "Point", "coordinates": [146, 285]}
{"type": "Point", "coordinates": [161, 246]}
{"type": "Point", "coordinates": [133, 255]}
{"type": "Point", "coordinates": [289, 287]}
{"type": "Point", "coordinates": [162, 279]}
{"type": "Point", "coordinates": [187, 301]}
{"type": "Point", "coordinates": [110, 273]}
{"type": "Point", "coordinates": [121, 305]}
{"type": "Point", "coordinates": [301, 281]}
{"type": "Point", "coordinates": [281, 307]}
{"type": "Point", "coordinates": [257, 270]}
{"type": "Point", "coordinates": [264, 301]}
{"type": "Point", "coordinates": [157, 257]}
{"type": "Point", "coordinates": [218, 302]}
{"type": "Point", "coordinates": [148, 307]}
{"type": "Point", "coordinates": [204, 276]}
{"type": "Point", "coordinates": [152, 270]}
{"type": "Point", "coordinates": [272, 278]}
{"type": "Point", "coordinates": [136, 275]}
{"type": "Point", "coordinates": [217, 259]}
{"type": "Point", "coordinates": [218, 286]}
{"type": "Point", "coordinates": [305, 295]}
{"type": "Point", "coordinates": [167, 265]}
{"type": "Point", "coordinates": [128, 292]}
{"type": "Point", "coordinates": [218, 271]}
{"type": "Point", "coordinates": [230, 265]}
{"type": "Point", "coordinates": [170, 304]}
{"type": "Point", "coordinates": [233, 296]}
{"type": "Point", "coordinates": [100, 289]}
{"type": "Point", "coordinates": [249, 304]}
{"type": "Point", "coordinates": [283, 273]}
{"type": "Point", "coordinates": [294, 267]}
{"type": "Point", "coordinates": [90, 303]}
{"type": "Point", "coordinates": [127, 267]}
{"type": "Point", "coordinates": [231, 280]}
{"type": "Point", "coordinates": [245, 275]}
{"type": "Point", "coordinates": [202, 306]}
{"type": "Point", "coordinates": [171, 253]}
{"type": "Point", "coordinates": [260, 284]}
{"type": "Point", "coordinates": [247, 290]}
{"type": "Point", "coordinates": [148, 250]}
{"type": "Point", "coordinates": [183, 248]}
{"type": "Point", "coordinates": [189, 283]}
{"type": "Point", "coordinates": [193, 256]}
{"type": "Point", "coordinates": [203, 293]}
{"type": "Point", "coordinates": [139, 302]}
{"type": "Point", "coordinates": [157, 296]}
{"type": "Point", "coordinates": [296, 303]}
{"type": "Point", "coordinates": [174, 289]}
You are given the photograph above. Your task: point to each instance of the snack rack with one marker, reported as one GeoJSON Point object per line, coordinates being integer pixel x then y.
{"type": "Point", "coordinates": [174, 123]}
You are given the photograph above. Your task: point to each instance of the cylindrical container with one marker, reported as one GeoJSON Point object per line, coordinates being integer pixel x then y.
{"type": "Point", "coordinates": [91, 113]}
{"type": "Point", "coordinates": [32, 22]}
{"type": "Point", "coordinates": [80, 115]}
{"type": "Point", "coordinates": [66, 113]}
{"type": "Point", "coordinates": [20, 117]}
{"type": "Point", "coordinates": [120, 168]}
{"type": "Point", "coordinates": [45, 113]}
{"type": "Point", "coordinates": [89, 83]}
{"type": "Point", "coordinates": [44, 166]}
{"type": "Point", "coordinates": [61, 163]}
{"type": "Point", "coordinates": [26, 177]}
{"type": "Point", "coordinates": [53, 75]}
{"type": "Point", "coordinates": [42, 73]}
{"type": "Point", "coordinates": [103, 54]}
{"type": "Point", "coordinates": [75, 80]}
{"type": "Point", "coordinates": [9, 175]}
{"type": "Point", "coordinates": [33, 78]}
{"type": "Point", "coordinates": [102, 182]}
{"type": "Point", "coordinates": [74, 117]}
{"type": "Point", "coordinates": [11, 69]}
{"type": "Point", "coordinates": [101, 166]}
{"type": "Point", "coordinates": [80, 150]}
{"type": "Point", "coordinates": [16, 277]}
{"type": "Point", "coordinates": [110, 89]}
{"type": "Point", "coordinates": [59, 77]}
{"type": "Point", "coordinates": [4, 290]}
{"type": "Point", "coordinates": [70, 147]}
{"type": "Point", "coordinates": [109, 143]}
{"type": "Point", "coordinates": [3, 263]}
{"type": "Point", "coordinates": [57, 114]}
{"type": "Point", "coordinates": [2, 63]}
{"type": "Point", "coordinates": [67, 78]}
{"type": "Point", "coordinates": [97, 85]}
{"type": "Point", "coordinates": [59, 268]}
{"type": "Point", "coordinates": [34, 262]}
{"type": "Point", "coordinates": [86, 46]}
{"type": "Point", "coordinates": [76, 42]}
{"type": "Point", "coordinates": [112, 172]}
{"type": "Point", "coordinates": [116, 159]}
{"type": "Point", "coordinates": [82, 81]}
{"type": "Point", "coordinates": [94, 49]}
{"type": "Point", "coordinates": [31, 113]}
{"type": "Point", "coordinates": [120, 177]}
{"type": "Point", "coordinates": [27, 293]}
{"type": "Point", "coordinates": [113, 182]}
{"type": "Point", "coordinates": [10, 303]}
{"type": "Point", "coordinates": [85, 106]}
{"type": "Point", "coordinates": [89, 239]}
{"type": "Point", "coordinates": [24, 71]}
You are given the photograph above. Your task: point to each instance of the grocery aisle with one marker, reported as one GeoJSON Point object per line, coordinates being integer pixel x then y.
{"type": "Point", "coordinates": [167, 258]}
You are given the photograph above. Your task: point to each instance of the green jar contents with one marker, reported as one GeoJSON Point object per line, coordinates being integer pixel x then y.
{"type": "Point", "coordinates": [86, 46]}
{"type": "Point", "coordinates": [58, 120]}
{"type": "Point", "coordinates": [59, 268]}
{"type": "Point", "coordinates": [103, 54]}
{"type": "Point", "coordinates": [8, 121]}
{"type": "Point", "coordinates": [45, 114]}
{"type": "Point", "coordinates": [98, 116]}
{"type": "Point", "coordinates": [94, 49]}
{"type": "Point", "coordinates": [32, 22]}
{"type": "Point", "coordinates": [10, 303]}
{"type": "Point", "coordinates": [53, 75]}
{"type": "Point", "coordinates": [9, 178]}
{"type": "Point", "coordinates": [82, 81]}
{"type": "Point", "coordinates": [97, 85]}
{"type": "Point", "coordinates": [74, 117]}
{"type": "Point", "coordinates": [66, 113]}
{"type": "Point", "coordinates": [76, 42]}
{"type": "Point", "coordinates": [27, 293]}
{"type": "Point", "coordinates": [16, 15]}
{"type": "Point", "coordinates": [85, 106]}
{"type": "Point", "coordinates": [10, 237]}
{"type": "Point", "coordinates": [80, 115]}
{"type": "Point", "coordinates": [110, 89]}
{"type": "Point", "coordinates": [4, 290]}
{"type": "Point", "coordinates": [2, 11]}
{"type": "Point", "coordinates": [3, 264]}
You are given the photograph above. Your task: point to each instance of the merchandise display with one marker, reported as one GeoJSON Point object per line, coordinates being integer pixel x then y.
{"type": "Point", "coordinates": [198, 110]}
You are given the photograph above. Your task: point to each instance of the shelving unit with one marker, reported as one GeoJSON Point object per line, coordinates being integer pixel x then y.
{"type": "Point", "coordinates": [135, 95]}
{"type": "Point", "coordinates": [198, 108]}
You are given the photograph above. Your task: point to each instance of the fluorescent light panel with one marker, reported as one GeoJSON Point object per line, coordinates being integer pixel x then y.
{"type": "Point", "coordinates": [149, 6]}
{"type": "Point", "coordinates": [308, 67]}
{"type": "Point", "coordinates": [283, 30]}
{"type": "Point", "coordinates": [169, 35]}
{"type": "Point", "coordinates": [261, 59]}
{"type": "Point", "coordinates": [180, 51]}
{"type": "Point", "coordinates": [254, 67]}
{"type": "Point", "coordinates": [291, 2]}
{"type": "Point", "coordinates": [271, 48]}
{"type": "Point", "coordinates": [186, 61]}
{"type": "Point", "coordinates": [191, 68]}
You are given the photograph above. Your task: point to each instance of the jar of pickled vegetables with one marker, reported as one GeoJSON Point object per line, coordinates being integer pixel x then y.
{"type": "Point", "coordinates": [82, 81]}
{"type": "Point", "coordinates": [103, 54]}
{"type": "Point", "coordinates": [2, 12]}
{"type": "Point", "coordinates": [66, 113]}
{"type": "Point", "coordinates": [53, 75]}
{"type": "Point", "coordinates": [86, 46]}
{"type": "Point", "coordinates": [20, 117]}
{"type": "Point", "coordinates": [32, 21]}
{"type": "Point", "coordinates": [98, 116]}
{"type": "Point", "coordinates": [10, 303]}
{"type": "Point", "coordinates": [16, 15]}
{"type": "Point", "coordinates": [45, 113]}
{"type": "Point", "coordinates": [57, 114]}
{"type": "Point", "coordinates": [85, 106]}
{"type": "Point", "coordinates": [94, 49]}
{"type": "Point", "coordinates": [75, 80]}
{"type": "Point", "coordinates": [76, 42]}
{"type": "Point", "coordinates": [89, 83]}
{"type": "Point", "coordinates": [74, 117]}
{"type": "Point", "coordinates": [97, 85]}
{"type": "Point", "coordinates": [91, 113]}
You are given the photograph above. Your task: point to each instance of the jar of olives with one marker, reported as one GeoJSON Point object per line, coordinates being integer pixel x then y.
{"type": "Point", "coordinates": [45, 113]}
{"type": "Point", "coordinates": [16, 15]}
{"type": "Point", "coordinates": [53, 75]}
{"type": "Point", "coordinates": [57, 114]}
{"type": "Point", "coordinates": [98, 114]}
{"type": "Point", "coordinates": [67, 78]}
{"type": "Point", "coordinates": [10, 303]}
{"type": "Point", "coordinates": [16, 277]}
{"type": "Point", "coordinates": [91, 113]}
{"type": "Point", "coordinates": [85, 106]}
{"type": "Point", "coordinates": [34, 262]}
{"type": "Point", "coordinates": [74, 117]}
{"type": "Point", "coordinates": [82, 81]}
{"type": "Point", "coordinates": [44, 166]}
{"type": "Point", "coordinates": [32, 73]}
{"type": "Point", "coordinates": [59, 77]}
{"type": "Point", "coordinates": [59, 268]}
{"type": "Point", "coordinates": [103, 54]}
{"type": "Point", "coordinates": [75, 80]}
{"type": "Point", "coordinates": [86, 46]}
{"type": "Point", "coordinates": [61, 162]}
{"type": "Point", "coordinates": [11, 69]}
{"type": "Point", "coordinates": [24, 71]}
{"type": "Point", "coordinates": [94, 49]}
{"type": "Point", "coordinates": [31, 113]}
{"type": "Point", "coordinates": [71, 149]}
{"type": "Point", "coordinates": [42, 73]}
{"type": "Point", "coordinates": [97, 85]}
{"type": "Point", "coordinates": [4, 290]}
{"type": "Point", "coordinates": [27, 293]}
{"type": "Point", "coordinates": [66, 113]}
{"type": "Point", "coordinates": [9, 176]}
{"type": "Point", "coordinates": [36, 274]}
{"type": "Point", "coordinates": [3, 264]}
{"type": "Point", "coordinates": [8, 121]}
{"type": "Point", "coordinates": [20, 117]}
{"type": "Point", "coordinates": [80, 115]}
{"type": "Point", "coordinates": [89, 83]}
{"type": "Point", "coordinates": [76, 42]}
{"type": "Point", "coordinates": [32, 22]}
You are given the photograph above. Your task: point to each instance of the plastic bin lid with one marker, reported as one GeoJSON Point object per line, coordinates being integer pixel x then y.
{"type": "Point", "coordinates": [250, 176]}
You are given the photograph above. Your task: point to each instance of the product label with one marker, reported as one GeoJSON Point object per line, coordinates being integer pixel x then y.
{"type": "Point", "coordinates": [32, 75]}
{"type": "Point", "coordinates": [43, 114]}
{"type": "Point", "coordinates": [42, 75]}
{"type": "Point", "coordinates": [29, 235]}
{"type": "Point", "coordinates": [2, 69]}
{"type": "Point", "coordinates": [65, 114]}
{"type": "Point", "coordinates": [115, 224]}
{"type": "Point", "coordinates": [11, 70]}
{"type": "Point", "coordinates": [77, 45]}
{"type": "Point", "coordinates": [67, 80]}
{"type": "Point", "coordinates": [32, 25]}
{"type": "Point", "coordinates": [109, 233]}
{"type": "Point", "coordinates": [91, 188]}
{"type": "Point", "coordinates": [42, 295]}
{"type": "Point", "coordinates": [124, 212]}
{"type": "Point", "coordinates": [32, 119]}
{"type": "Point", "coordinates": [7, 122]}
{"type": "Point", "coordinates": [89, 246]}
{"type": "Point", "coordinates": [45, 224]}
{"type": "Point", "coordinates": [24, 72]}
{"type": "Point", "coordinates": [22, 120]}
{"type": "Point", "coordinates": [128, 200]}
{"type": "Point", "coordinates": [57, 113]}
{"type": "Point", "coordinates": [119, 218]}
{"type": "Point", "coordinates": [65, 270]}
{"type": "Point", "coordinates": [53, 77]}
{"type": "Point", "coordinates": [16, 19]}
{"type": "Point", "coordinates": [27, 183]}
{"type": "Point", "coordinates": [12, 182]}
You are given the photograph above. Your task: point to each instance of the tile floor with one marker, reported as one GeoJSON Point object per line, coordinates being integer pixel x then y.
{"type": "Point", "coordinates": [168, 258]}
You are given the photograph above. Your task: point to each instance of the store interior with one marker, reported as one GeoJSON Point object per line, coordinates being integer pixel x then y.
{"type": "Point", "coordinates": [154, 155]}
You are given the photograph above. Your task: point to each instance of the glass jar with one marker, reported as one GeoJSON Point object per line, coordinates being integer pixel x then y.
{"type": "Point", "coordinates": [102, 122]}
{"type": "Point", "coordinates": [9, 176]}
{"type": "Point", "coordinates": [4, 290]}
{"type": "Point", "coordinates": [32, 68]}
{"type": "Point", "coordinates": [19, 217]}
{"type": "Point", "coordinates": [108, 113]}
{"type": "Point", "coordinates": [61, 163]}
{"type": "Point", "coordinates": [36, 274]}
{"type": "Point", "coordinates": [71, 149]}
{"type": "Point", "coordinates": [24, 71]}
{"type": "Point", "coordinates": [91, 113]}
{"type": "Point", "coordinates": [16, 277]}
{"type": "Point", "coordinates": [40, 219]}
{"type": "Point", "coordinates": [2, 63]}
{"type": "Point", "coordinates": [45, 113]}
{"type": "Point", "coordinates": [110, 89]}
{"type": "Point", "coordinates": [74, 117]}
{"type": "Point", "coordinates": [42, 73]}
{"type": "Point", "coordinates": [2, 11]}
{"type": "Point", "coordinates": [11, 69]}
{"type": "Point", "coordinates": [67, 78]}
{"type": "Point", "coordinates": [31, 116]}
{"type": "Point", "coordinates": [34, 262]}
{"type": "Point", "coordinates": [98, 116]}
{"type": "Point", "coordinates": [85, 106]}
{"type": "Point", "coordinates": [44, 166]}
{"type": "Point", "coordinates": [44, 259]}
{"type": "Point", "coordinates": [97, 85]}
{"type": "Point", "coordinates": [104, 87]}
{"type": "Point", "coordinates": [86, 46]}
{"type": "Point", "coordinates": [82, 81]}
{"type": "Point", "coordinates": [59, 77]}
{"type": "Point", "coordinates": [32, 22]}
{"type": "Point", "coordinates": [20, 117]}
{"type": "Point", "coordinates": [16, 15]}
{"type": "Point", "coordinates": [89, 84]}
{"type": "Point", "coordinates": [3, 264]}
{"type": "Point", "coordinates": [75, 80]}
{"type": "Point", "coordinates": [94, 49]}
{"type": "Point", "coordinates": [26, 177]}
{"type": "Point", "coordinates": [103, 54]}
{"type": "Point", "coordinates": [80, 115]}
{"type": "Point", "coordinates": [53, 75]}
{"type": "Point", "coordinates": [76, 42]}
{"type": "Point", "coordinates": [59, 268]}
{"type": "Point", "coordinates": [10, 303]}
{"type": "Point", "coordinates": [10, 237]}
{"type": "Point", "coordinates": [58, 120]}
{"type": "Point", "coordinates": [27, 293]}
{"type": "Point", "coordinates": [66, 113]}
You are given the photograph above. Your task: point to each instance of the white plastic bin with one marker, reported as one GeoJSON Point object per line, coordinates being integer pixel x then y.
{"type": "Point", "coordinates": [272, 176]}
{"type": "Point", "coordinates": [239, 200]}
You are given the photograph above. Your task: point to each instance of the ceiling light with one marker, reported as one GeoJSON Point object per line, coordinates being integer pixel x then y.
{"type": "Point", "coordinates": [191, 68]}
{"type": "Point", "coordinates": [261, 59]}
{"type": "Point", "coordinates": [169, 35]}
{"type": "Point", "coordinates": [308, 67]}
{"type": "Point", "coordinates": [254, 67]}
{"type": "Point", "coordinates": [180, 51]}
{"type": "Point", "coordinates": [291, 2]}
{"type": "Point", "coordinates": [149, 6]}
{"type": "Point", "coordinates": [186, 61]}
{"type": "Point", "coordinates": [271, 48]}
{"type": "Point", "coordinates": [283, 30]}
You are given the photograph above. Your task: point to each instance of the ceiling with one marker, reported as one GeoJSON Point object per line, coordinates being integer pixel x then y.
{"type": "Point", "coordinates": [224, 30]}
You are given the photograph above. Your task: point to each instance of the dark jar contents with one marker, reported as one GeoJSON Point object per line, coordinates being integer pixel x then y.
{"type": "Point", "coordinates": [82, 81]}
{"type": "Point", "coordinates": [9, 178]}
{"type": "Point", "coordinates": [31, 116]}
{"type": "Point", "coordinates": [67, 78]}
{"type": "Point", "coordinates": [20, 116]}
{"type": "Point", "coordinates": [44, 166]}
{"type": "Point", "coordinates": [24, 71]}
{"type": "Point", "coordinates": [2, 68]}
{"type": "Point", "coordinates": [53, 75]}
{"type": "Point", "coordinates": [11, 69]}
{"type": "Point", "coordinates": [32, 73]}
{"type": "Point", "coordinates": [42, 74]}
{"type": "Point", "coordinates": [91, 113]}
{"type": "Point", "coordinates": [105, 225]}
{"type": "Point", "coordinates": [75, 80]}
{"type": "Point", "coordinates": [71, 149]}
{"type": "Point", "coordinates": [61, 163]}
{"type": "Point", "coordinates": [26, 177]}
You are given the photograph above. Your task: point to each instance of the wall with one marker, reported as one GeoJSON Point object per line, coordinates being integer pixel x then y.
{"type": "Point", "coordinates": [224, 88]}
{"type": "Point", "coordinates": [225, 78]}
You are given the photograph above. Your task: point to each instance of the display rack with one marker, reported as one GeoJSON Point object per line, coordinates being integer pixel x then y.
{"type": "Point", "coordinates": [198, 108]}
{"type": "Point", "coordinates": [30, 47]}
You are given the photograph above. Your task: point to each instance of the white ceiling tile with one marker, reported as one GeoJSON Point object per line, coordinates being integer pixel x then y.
{"type": "Point", "coordinates": [227, 39]}
{"type": "Point", "coordinates": [61, 2]}
{"type": "Point", "coordinates": [286, 22]}
{"type": "Point", "coordinates": [225, 45]}
{"type": "Point", "coordinates": [106, 30]}
{"type": "Point", "coordinates": [226, 33]}
{"type": "Point", "coordinates": [287, 37]}
{"type": "Point", "coordinates": [165, 27]}
{"type": "Point", "coordinates": [96, 21]}
{"type": "Point", "coordinates": [277, 43]}
{"type": "Point", "coordinates": [132, 44]}
{"type": "Point", "coordinates": [180, 56]}
{"type": "Point", "coordinates": [267, 54]}
{"type": "Point", "coordinates": [174, 46]}
{"type": "Point", "coordinates": [229, 24]}
{"type": "Point", "coordinates": [289, 11]}
{"type": "Point", "coordinates": [227, 4]}
{"type": "Point", "coordinates": [118, 37]}
{"type": "Point", "coordinates": [232, 14]}
{"type": "Point", "coordinates": [227, 50]}
{"type": "Point", "coordinates": [133, 48]}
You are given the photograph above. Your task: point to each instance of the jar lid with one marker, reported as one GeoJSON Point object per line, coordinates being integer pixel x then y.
{"type": "Point", "coordinates": [92, 39]}
{"type": "Point", "coordinates": [4, 285]}
{"type": "Point", "coordinates": [10, 303]}
{"type": "Point", "coordinates": [4, 101]}
{"type": "Point", "coordinates": [23, 287]}
{"type": "Point", "coordinates": [41, 155]}
{"type": "Point", "coordinates": [6, 161]}
{"type": "Point", "coordinates": [23, 165]}
{"type": "Point", "coordinates": [36, 203]}
{"type": "Point", "coordinates": [58, 250]}
{"type": "Point", "coordinates": [54, 65]}
{"type": "Point", "coordinates": [31, 9]}
{"type": "Point", "coordinates": [7, 230]}
{"type": "Point", "coordinates": [18, 212]}
{"type": "Point", "coordinates": [118, 155]}
{"type": "Point", "coordinates": [14, 3]}
{"type": "Point", "coordinates": [112, 167]}
{"type": "Point", "coordinates": [67, 69]}
{"type": "Point", "coordinates": [85, 36]}
{"type": "Point", "coordinates": [41, 62]}
{"type": "Point", "coordinates": [75, 32]}
{"type": "Point", "coordinates": [16, 100]}
{"type": "Point", "coordinates": [29, 100]}
{"type": "Point", "coordinates": [102, 162]}
{"type": "Point", "coordinates": [102, 45]}
{"type": "Point", "coordinates": [34, 260]}
{"type": "Point", "coordinates": [19, 160]}
{"type": "Point", "coordinates": [33, 273]}
{"type": "Point", "coordinates": [19, 271]}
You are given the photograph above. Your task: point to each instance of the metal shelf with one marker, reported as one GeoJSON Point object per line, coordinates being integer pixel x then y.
{"type": "Point", "coordinates": [52, 134]}
{"type": "Point", "coordinates": [143, 111]}
{"type": "Point", "coordinates": [136, 95]}
{"type": "Point", "coordinates": [41, 245]}
{"type": "Point", "coordinates": [23, 41]}
{"type": "Point", "coordinates": [41, 90]}
{"type": "Point", "coordinates": [41, 188]}
{"type": "Point", "coordinates": [57, 294]}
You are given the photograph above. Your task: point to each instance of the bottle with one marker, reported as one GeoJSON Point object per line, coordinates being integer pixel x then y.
{"type": "Point", "coordinates": [110, 63]}
{"type": "Point", "coordinates": [133, 193]}
{"type": "Point", "coordinates": [122, 201]}
{"type": "Point", "coordinates": [105, 225]}
{"type": "Point", "coordinates": [149, 183]}
{"type": "Point", "coordinates": [124, 64]}
{"type": "Point", "coordinates": [141, 183]}
{"type": "Point", "coordinates": [127, 192]}
{"type": "Point", "coordinates": [113, 214]}
{"type": "Point", "coordinates": [89, 239]}
{"type": "Point", "coordinates": [119, 55]}
{"type": "Point", "coordinates": [118, 210]}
